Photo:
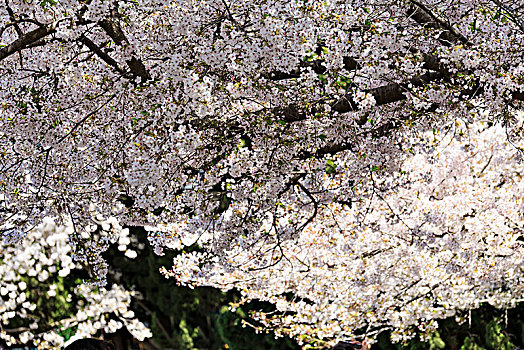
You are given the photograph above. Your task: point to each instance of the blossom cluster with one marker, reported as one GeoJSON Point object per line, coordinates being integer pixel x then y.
{"type": "Point", "coordinates": [40, 297]}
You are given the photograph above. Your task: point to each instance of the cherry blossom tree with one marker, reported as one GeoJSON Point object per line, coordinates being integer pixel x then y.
{"type": "Point", "coordinates": [363, 156]}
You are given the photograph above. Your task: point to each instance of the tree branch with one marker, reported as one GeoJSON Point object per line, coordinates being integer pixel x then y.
{"type": "Point", "coordinates": [27, 39]}
{"type": "Point", "coordinates": [385, 94]}
{"type": "Point", "coordinates": [511, 14]}
{"type": "Point", "coordinates": [104, 56]}
{"type": "Point", "coordinates": [114, 31]}
{"type": "Point", "coordinates": [423, 15]}
{"type": "Point", "coordinates": [350, 64]}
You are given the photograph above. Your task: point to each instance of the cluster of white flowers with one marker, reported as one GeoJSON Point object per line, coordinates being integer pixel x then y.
{"type": "Point", "coordinates": [365, 100]}
{"type": "Point", "coordinates": [39, 299]}
{"type": "Point", "coordinates": [116, 301]}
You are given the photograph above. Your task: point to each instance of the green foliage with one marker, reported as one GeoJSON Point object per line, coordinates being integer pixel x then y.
{"type": "Point", "coordinates": [245, 141]}
{"type": "Point", "coordinates": [345, 82]}
{"type": "Point", "coordinates": [469, 344]}
{"type": "Point", "coordinates": [68, 332]}
{"type": "Point", "coordinates": [436, 342]}
{"type": "Point", "coordinates": [231, 331]}
{"type": "Point", "coordinates": [322, 78]}
{"type": "Point", "coordinates": [331, 167]}
{"type": "Point", "coordinates": [50, 309]}
{"type": "Point", "coordinates": [45, 3]}
{"type": "Point", "coordinates": [495, 339]}
{"type": "Point", "coordinates": [182, 318]}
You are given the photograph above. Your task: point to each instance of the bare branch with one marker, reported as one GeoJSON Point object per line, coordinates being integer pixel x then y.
{"type": "Point", "coordinates": [511, 14]}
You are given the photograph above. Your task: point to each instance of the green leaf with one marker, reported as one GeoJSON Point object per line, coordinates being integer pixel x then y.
{"type": "Point", "coordinates": [435, 342]}
{"type": "Point", "coordinates": [331, 167]}
{"type": "Point", "coordinates": [48, 2]}
{"type": "Point", "coordinates": [245, 141]}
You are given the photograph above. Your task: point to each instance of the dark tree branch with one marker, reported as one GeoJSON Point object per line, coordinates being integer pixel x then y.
{"type": "Point", "coordinates": [114, 31]}
{"type": "Point", "coordinates": [350, 64]}
{"type": "Point", "coordinates": [27, 39]}
{"type": "Point", "coordinates": [13, 20]}
{"type": "Point", "coordinates": [518, 95]}
{"type": "Point", "coordinates": [511, 14]}
{"type": "Point", "coordinates": [104, 56]}
{"type": "Point", "coordinates": [385, 94]}
{"type": "Point", "coordinates": [423, 15]}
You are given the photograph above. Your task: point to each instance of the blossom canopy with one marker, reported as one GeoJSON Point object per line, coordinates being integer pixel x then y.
{"type": "Point", "coordinates": [255, 128]}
